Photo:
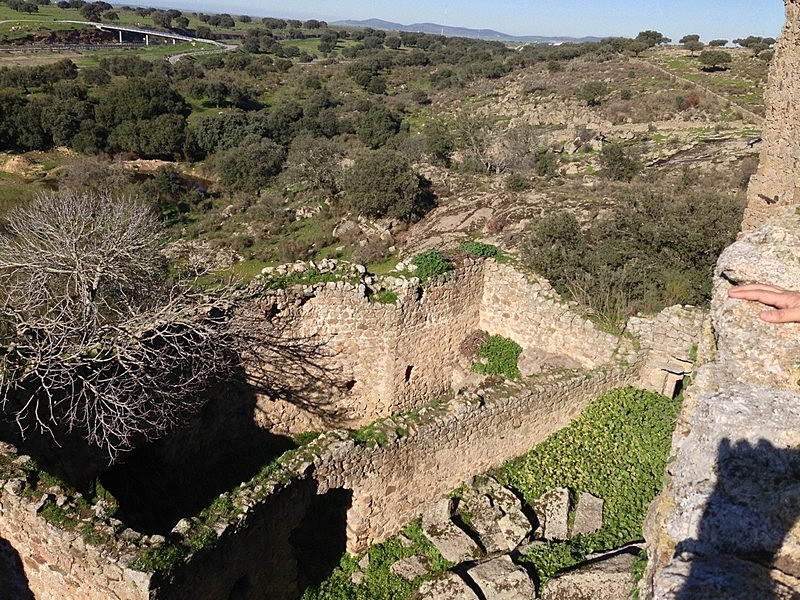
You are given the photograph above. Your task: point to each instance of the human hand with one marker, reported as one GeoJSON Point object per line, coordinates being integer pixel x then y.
{"type": "Point", "coordinates": [786, 301]}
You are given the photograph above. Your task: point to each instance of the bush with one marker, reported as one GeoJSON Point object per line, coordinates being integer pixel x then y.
{"type": "Point", "coordinates": [618, 164]}
{"type": "Point", "coordinates": [482, 250]}
{"type": "Point", "coordinates": [593, 92]}
{"type": "Point", "coordinates": [517, 183]}
{"type": "Point", "coordinates": [381, 183]}
{"type": "Point", "coordinates": [501, 356]}
{"type": "Point", "coordinates": [430, 264]}
{"type": "Point", "coordinates": [656, 249]}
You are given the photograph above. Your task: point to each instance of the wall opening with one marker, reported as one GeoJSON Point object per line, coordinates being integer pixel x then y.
{"type": "Point", "coordinates": [409, 368]}
{"type": "Point", "coordinates": [320, 539]}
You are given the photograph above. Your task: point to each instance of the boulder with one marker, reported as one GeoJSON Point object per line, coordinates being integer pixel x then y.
{"type": "Point", "coordinates": [410, 568]}
{"type": "Point", "coordinates": [448, 586]}
{"type": "Point", "coordinates": [604, 577]}
{"type": "Point", "coordinates": [501, 579]}
{"type": "Point", "coordinates": [454, 545]}
{"type": "Point", "coordinates": [588, 514]}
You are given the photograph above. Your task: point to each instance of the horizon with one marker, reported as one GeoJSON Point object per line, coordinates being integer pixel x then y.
{"type": "Point", "coordinates": [711, 19]}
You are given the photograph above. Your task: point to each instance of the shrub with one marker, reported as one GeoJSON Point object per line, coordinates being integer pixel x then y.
{"type": "Point", "coordinates": [617, 163]}
{"type": "Point", "coordinates": [430, 264]}
{"type": "Point", "coordinates": [381, 183]}
{"type": "Point", "coordinates": [482, 250]}
{"type": "Point", "coordinates": [501, 356]}
{"type": "Point", "coordinates": [593, 92]}
{"type": "Point", "coordinates": [517, 183]}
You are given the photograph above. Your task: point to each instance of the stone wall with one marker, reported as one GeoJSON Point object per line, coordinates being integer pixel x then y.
{"type": "Point", "coordinates": [59, 564]}
{"type": "Point", "coordinates": [385, 358]}
{"type": "Point", "coordinates": [533, 315]}
{"type": "Point", "coordinates": [392, 358]}
{"type": "Point", "coordinates": [392, 484]}
{"type": "Point", "coordinates": [776, 182]}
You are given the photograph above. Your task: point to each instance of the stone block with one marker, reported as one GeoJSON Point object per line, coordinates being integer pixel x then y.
{"type": "Point", "coordinates": [552, 510]}
{"type": "Point", "coordinates": [448, 586]}
{"type": "Point", "coordinates": [607, 577]}
{"type": "Point", "coordinates": [501, 579]}
{"type": "Point", "coordinates": [410, 568]}
{"type": "Point", "coordinates": [588, 514]}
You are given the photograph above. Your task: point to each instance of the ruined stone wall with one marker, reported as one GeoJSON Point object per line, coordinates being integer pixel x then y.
{"type": "Point", "coordinates": [392, 358]}
{"type": "Point", "coordinates": [58, 564]}
{"type": "Point", "coordinates": [385, 358]}
{"type": "Point", "coordinates": [392, 484]}
{"type": "Point", "coordinates": [776, 183]}
{"type": "Point", "coordinates": [534, 316]}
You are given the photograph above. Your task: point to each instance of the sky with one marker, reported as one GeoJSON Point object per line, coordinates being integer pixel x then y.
{"type": "Point", "coordinates": [712, 19]}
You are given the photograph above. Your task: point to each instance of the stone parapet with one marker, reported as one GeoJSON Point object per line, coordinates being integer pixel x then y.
{"type": "Point", "coordinates": [726, 525]}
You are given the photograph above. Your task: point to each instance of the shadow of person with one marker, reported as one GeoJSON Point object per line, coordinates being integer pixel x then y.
{"type": "Point", "coordinates": [13, 582]}
{"type": "Point", "coordinates": [748, 541]}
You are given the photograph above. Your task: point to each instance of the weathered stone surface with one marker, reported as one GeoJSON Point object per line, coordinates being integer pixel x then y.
{"type": "Point", "coordinates": [496, 516]}
{"type": "Point", "coordinates": [694, 577]}
{"type": "Point", "coordinates": [448, 586]}
{"type": "Point", "coordinates": [776, 180]}
{"type": "Point", "coordinates": [410, 568]}
{"type": "Point", "coordinates": [604, 577]}
{"type": "Point", "coordinates": [455, 545]}
{"type": "Point", "coordinates": [501, 579]}
{"type": "Point", "coordinates": [588, 514]}
{"type": "Point", "coordinates": [726, 525]}
{"type": "Point", "coordinates": [552, 509]}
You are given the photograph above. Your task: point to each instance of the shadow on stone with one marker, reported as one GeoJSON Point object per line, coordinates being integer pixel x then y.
{"type": "Point", "coordinates": [746, 540]}
{"type": "Point", "coordinates": [13, 582]}
{"type": "Point", "coordinates": [175, 477]}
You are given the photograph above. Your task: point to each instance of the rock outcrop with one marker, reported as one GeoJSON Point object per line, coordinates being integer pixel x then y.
{"type": "Point", "coordinates": [776, 183]}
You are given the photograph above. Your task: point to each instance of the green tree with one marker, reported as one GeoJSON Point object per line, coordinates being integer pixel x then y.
{"type": "Point", "coordinates": [652, 38]}
{"type": "Point", "coordinates": [617, 163]}
{"type": "Point", "coordinates": [718, 43]}
{"type": "Point", "coordinates": [251, 165]}
{"type": "Point", "coordinates": [381, 183]}
{"type": "Point", "coordinates": [714, 59]}
{"type": "Point", "coordinates": [376, 126]}
{"type": "Point", "coordinates": [593, 92]}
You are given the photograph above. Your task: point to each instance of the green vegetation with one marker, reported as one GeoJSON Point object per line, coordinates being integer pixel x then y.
{"type": "Point", "coordinates": [501, 356]}
{"type": "Point", "coordinates": [384, 297]}
{"type": "Point", "coordinates": [482, 250]}
{"type": "Point", "coordinates": [616, 450]}
{"type": "Point", "coordinates": [430, 264]}
{"type": "Point", "coordinates": [379, 583]}
{"type": "Point", "coordinates": [657, 248]}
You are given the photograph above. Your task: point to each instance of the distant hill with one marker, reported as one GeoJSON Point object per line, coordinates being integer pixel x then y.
{"type": "Point", "coordinates": [483, 34]}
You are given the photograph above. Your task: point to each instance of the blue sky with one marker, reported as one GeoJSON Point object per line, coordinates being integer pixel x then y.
{"type": "Point", "coordinates": [711, 19]}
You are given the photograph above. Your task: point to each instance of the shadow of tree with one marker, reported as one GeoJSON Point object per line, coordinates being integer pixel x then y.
{"type": "Point", "coordinates": [746, 538]}
{"type": "Point", "coordinates": [13, 582]}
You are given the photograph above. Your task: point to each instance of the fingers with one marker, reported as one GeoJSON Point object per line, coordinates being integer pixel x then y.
{"type": "Point", "coordinates": [766, 294]}
{"type": "Point", "coordinates": [786, 315]}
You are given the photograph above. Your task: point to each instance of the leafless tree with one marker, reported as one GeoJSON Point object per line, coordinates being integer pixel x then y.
{"type": "Point", "coordinates": [94, 335]}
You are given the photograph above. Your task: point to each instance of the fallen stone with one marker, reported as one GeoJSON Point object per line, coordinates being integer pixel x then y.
{"type": "Point", "coordinates": [454, 545]}
{"type": "Point", "coordinates": [501, 579]}
{"type": "Point", "coordinates": [588, 515]}
{"type": "Point", "coordinates": [606, 577]}
{"type": "Point", "coordinates": [552, 510]}
{"type": "Point", "coordinates": [496, 516]}
{"type": "Point", "coordinates": [410, 568]}
{"type": "Point", "coordinates": [448, 586]}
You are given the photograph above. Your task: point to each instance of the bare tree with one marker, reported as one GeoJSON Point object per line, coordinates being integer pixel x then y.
{"type": "Point", "coordinates": [94, 337]}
